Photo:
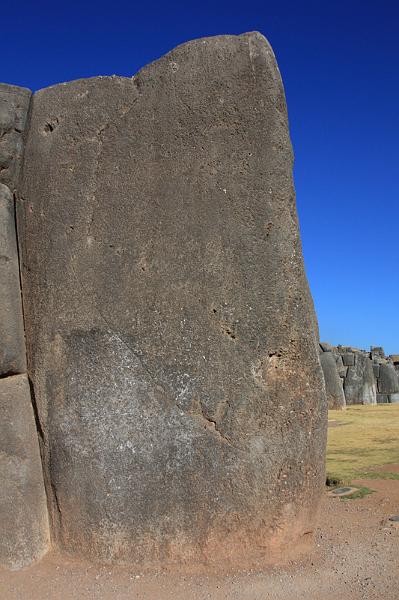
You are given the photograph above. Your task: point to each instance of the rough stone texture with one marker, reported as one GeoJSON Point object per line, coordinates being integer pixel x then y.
{"type": "Point", "coordinates": [382, 399]}
{"type": "Point", "coordinates": [376, 370]}
{"type": "Point", "coordinates": [388, 382]}
{"type": "Point", "coordinates": [342, 371]}
{"type": "Point", "coordinates": [14, 105]}
{"type": "Point", "coordinates": [326, 347]}
{"type": "Point", "coordinates": [171, 333]}
{"type": "Point", "coordinates": [334, 389]}
{"type": "Point", "coordinates": [12, 342]}
{"type": "Point", "coordinates": [348, 359]}
{"type": "Point", "coordinates": [377, 351]}
{"type": "Point", "coordinates": [360, 384]}
{"type": "Point", "coordinates": [394, 398]}
{"type": "Point", "coordinates": [24, 531]}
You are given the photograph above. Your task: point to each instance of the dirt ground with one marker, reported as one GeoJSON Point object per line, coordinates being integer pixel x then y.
{"type": "Point", "coordinates": [356, 557]}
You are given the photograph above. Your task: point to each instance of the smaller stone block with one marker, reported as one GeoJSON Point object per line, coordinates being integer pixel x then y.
{"type": "Point", "coordinates": [12, 340]}
{"type": "Point", "coordinates": [326, 347]}
{"type": "Point", "coordinates": [376, 370]}
{"type": "Point", "coordinates": [383, 399]}
{"type": "Point", "coordinates": [377, 351]}
{"type": "Point", "coordinates": [334, 388]}
{"type": "Point", "coordinates": [388, 382]}
{"type": "Point", "coordinates": [348, 359]}
{"type": "Point", "coordinates": [394, 398]}
{"type": "Point", "coordinates": [395, 359]}
{"type": "Point", "coordinates": [24, 529]}
{"type": "Point", "coordinates": [360, 383]}
{"type": "Point", "coordinates": [14, 105]}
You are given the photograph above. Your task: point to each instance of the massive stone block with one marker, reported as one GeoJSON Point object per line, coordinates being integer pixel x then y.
{"type": "Point", "coordinates": [12, 342]}
{"type": "Point", "coordinates": [388, 382]}
{"type": "Point", "coordinates": [14, 105]}
{"type": "Point", "coordinates": [170, 330]}
{"type": "Point", "coordinates": [360, 384]}
{"type": "Point", "coordinates": [24, 528]}
{"type": "Point", "coordinates": [334, 387]}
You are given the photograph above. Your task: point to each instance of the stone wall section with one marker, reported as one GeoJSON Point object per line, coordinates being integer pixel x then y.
{"type": "Point", "coordinates": [367, 377]}
{"type": "Point", "coordinates": [24, 529]}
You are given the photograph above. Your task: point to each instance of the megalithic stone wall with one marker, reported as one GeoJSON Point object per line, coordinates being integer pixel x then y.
{"type": "Point", "coordinates": [170, 329]}
{"type": "Point", "coordinates": [24, 526]}
{"type": "Point", "coordinates": [366, 377]}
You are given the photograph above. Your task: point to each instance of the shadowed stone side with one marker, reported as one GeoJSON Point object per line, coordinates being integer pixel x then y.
{"type": "Point", "coordinates": [388, 382]}
{"type": "Point", "coordinates": [171, 333]}
{"type": "Point", "coordinates": [360, 384]}
{"type": "Point", "coordinates": [12, 341]}
{"type": "Point", "coordinates": [24, 530]}
{"type": "Point", "coordinates": [334, 384]}
{"type": "Point", "coordinates": [14, 105]}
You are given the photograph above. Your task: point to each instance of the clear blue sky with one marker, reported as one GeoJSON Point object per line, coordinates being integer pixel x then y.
{"type": "Point", "coordinates": [340, 65]}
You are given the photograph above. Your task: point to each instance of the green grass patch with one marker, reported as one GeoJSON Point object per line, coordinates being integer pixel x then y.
{"type": "Point", "coordinates": [369, 439]}
{"type": "Point", "coordinates": [377, 475]}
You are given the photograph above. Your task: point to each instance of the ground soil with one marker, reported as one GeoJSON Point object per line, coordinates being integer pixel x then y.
{"type": "Point", "coordinates": [356, 557]}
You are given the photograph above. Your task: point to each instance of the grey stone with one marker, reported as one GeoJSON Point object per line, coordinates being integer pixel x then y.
{"type": "Point", "coordinates": [377, 351]}
{"type": "Point", "coordinates": [345, 349]}
{"type": "Point", "coordinates": [382, 399]}
{"type": "Point", "coordinates": [171, 332]}
{"type": "Point", "coordinates": [342, 371]}
{"type": "Point", "coordinates": [360, 384]}
{"type": "Point", "coordinates": [394, 398]}
{"type": "Point", "coordinates": [376, 370]}
{"type": "Point", "coordinates": [14, 105]}
{"type": "Point", "coordinates": [12, 342]}
{"type": "Point", "coordinates": [348, 359]}
{"type": "Point", "coordinates": [326, 347]}
{"type": "Point", "coordinates": [334, 390]}
{"type": "Point", "coordinates": [388, 382]}
{"type": "Point", "coordinates": [24, 530]}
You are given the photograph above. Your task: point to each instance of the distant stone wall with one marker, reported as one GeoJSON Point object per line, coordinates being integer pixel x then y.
{"type": "Point", "coordinates": [354, 376]}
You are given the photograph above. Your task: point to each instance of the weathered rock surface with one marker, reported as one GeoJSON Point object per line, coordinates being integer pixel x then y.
{"type": "Point", "coordinates": [326, 347]}
{"type": "Point", "coordinates": [14, 105]}
{"type": "Point", "coordinates": [360, 384]}
{"type": "Point", "coordinates": [348, 358]}
{"type": "Point", "coordinates": [24, 530]}
{"type": "Point", "coordinates": [12, 341]}
{"type": "Point", "coordinates": [334, 386]}
{"type": "Point", "coordinates": [170, 328]}
{"type": "Point", "coordinates": [388, 382]}
{"type": "Point", "coordinates": [383, 399]}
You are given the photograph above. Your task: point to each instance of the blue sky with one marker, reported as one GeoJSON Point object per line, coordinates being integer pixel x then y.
{"type": "Point", "coordinates": [340, 65]}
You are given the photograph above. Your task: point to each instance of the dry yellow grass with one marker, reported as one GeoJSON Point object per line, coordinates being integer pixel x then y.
{"type": "Point", "coordinates": [364, 437]}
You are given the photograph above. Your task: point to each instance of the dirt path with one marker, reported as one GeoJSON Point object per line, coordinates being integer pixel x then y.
{"type": "Point", "coordinates": [356, 557]}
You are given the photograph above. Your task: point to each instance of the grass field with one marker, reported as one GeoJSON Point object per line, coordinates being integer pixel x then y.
{"type": "Point", "coordinates": [360, 439]}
